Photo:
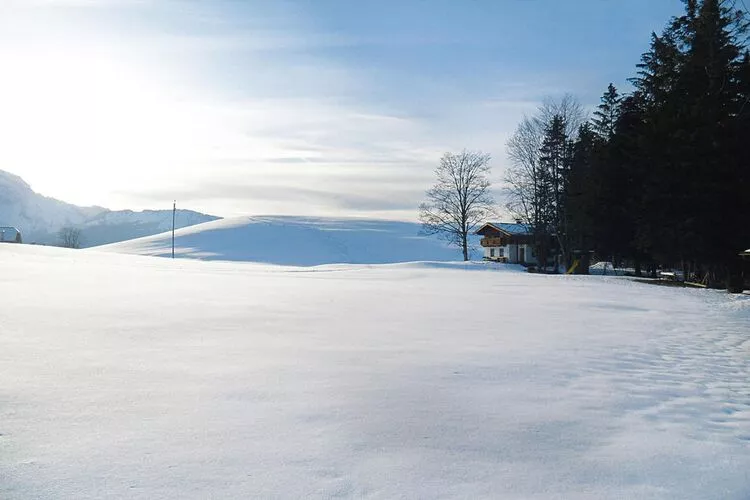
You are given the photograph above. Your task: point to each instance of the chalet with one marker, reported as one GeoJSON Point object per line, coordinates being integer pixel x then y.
{"type": "Point", "coordinates": [10, 234]}
{"type": "Point", "coordinates": [508, 242]}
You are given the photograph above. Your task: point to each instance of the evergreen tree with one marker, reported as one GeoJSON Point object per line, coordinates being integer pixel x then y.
{"type": "Point", "coordinates": [690, 81]}
{"type": "Point", "coordinates": [705, 111]}
{"type": "Point", "coordinates": [622, 174]}
{"type": "Point", "coordinates": [661, 176]}
{"type": "Point", "coordinates": [554, 160]}
{"type": "Point", "coordinates": [581, 197]}
{"type": "Point", "coordinates": [606, 114]}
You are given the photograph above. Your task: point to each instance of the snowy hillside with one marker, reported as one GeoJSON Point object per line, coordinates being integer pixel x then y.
{"type": "Point", "coordinates": [301, 241]}
{"type": "Point", "coordinates": [40, 218]}
{"type": "Point", "coordinates": [155, 379]}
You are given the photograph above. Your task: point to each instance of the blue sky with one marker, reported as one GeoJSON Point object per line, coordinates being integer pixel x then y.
{"type": "Point", "coordinates": [293, 107]}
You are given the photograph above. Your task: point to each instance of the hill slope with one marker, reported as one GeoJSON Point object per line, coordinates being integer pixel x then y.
{"type": "Point", "coordinates": [299, 241]}
{"type": "Point", "coordinates": [40, 218]}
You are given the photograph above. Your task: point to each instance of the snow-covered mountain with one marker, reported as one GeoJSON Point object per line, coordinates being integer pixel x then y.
{"type": "Point", "coordinates": [40, 218]}
{"type": "Point", "coordinates": [296, 241]}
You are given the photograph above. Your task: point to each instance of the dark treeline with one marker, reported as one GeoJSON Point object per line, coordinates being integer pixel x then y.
{"type": "Point", "coordinates": [659, 177]}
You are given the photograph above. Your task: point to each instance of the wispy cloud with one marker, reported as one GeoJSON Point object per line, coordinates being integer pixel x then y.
{"type": "Point", "coordinates": [92, 4]}
{"type": "Point", "coordinates": [243, 107]}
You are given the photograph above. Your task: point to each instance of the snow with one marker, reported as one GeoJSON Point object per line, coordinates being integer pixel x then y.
{"type": "Point", "coordinates": [604, 268]}
{"type": "Point", "coordinates": [296, 241]}
{"type": "Point", "coordinates": [132, 377]}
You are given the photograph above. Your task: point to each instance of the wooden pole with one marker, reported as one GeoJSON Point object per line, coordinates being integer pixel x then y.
{"type": "Point", "coordinates": [174, 213]}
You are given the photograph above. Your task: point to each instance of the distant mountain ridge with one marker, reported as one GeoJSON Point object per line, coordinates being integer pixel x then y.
{"type": "Point", "coordinates": [40, 218]}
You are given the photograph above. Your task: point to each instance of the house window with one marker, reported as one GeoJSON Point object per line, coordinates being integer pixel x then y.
{"type": "Point", "coordinates": [492, 252]}
{"type": "Point", "coordinates": [500, 252]}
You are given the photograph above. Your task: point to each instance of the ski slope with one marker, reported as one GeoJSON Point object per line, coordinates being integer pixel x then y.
{"type": "Point", "coordinates": [296, 241]}
{"type": "Point", "coordinates": [138, 378]}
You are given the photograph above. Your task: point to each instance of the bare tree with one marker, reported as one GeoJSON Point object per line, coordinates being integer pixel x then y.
{"type": "Point", "coordinates": [528, 184]}
{"type": "Point", "coordinates": [70, 237]}
{"type": "Point", "coordinates": [568, 108]}
{"type": "Point", "coordinates": [524, 175]}
{"type": "Point", "coordinates": [460, 200]}
{"type": "Point", "coordinates": [527, 181]}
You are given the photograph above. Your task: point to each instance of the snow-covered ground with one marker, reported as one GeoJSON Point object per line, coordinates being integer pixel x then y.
{"type": "Point", "coordinates": [132, 377]}
{"type": "Point", "coordinates": [297, 241]}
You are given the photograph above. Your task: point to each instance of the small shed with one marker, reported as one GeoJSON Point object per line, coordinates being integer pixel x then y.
{"type": "Point", "coordinates": [10, 234]}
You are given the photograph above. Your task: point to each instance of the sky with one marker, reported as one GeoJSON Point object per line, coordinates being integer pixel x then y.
{"type": "Point", "coordinates": [315, 107]}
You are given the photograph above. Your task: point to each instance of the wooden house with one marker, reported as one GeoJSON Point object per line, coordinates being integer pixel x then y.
{"type": "Point", "coordinates": [508, 242]}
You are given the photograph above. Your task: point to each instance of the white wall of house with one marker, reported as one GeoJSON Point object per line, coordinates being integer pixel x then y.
{"type": "Point", "coordinates": [495, 253]}
{"type": "Point", "coordinates": [511, 253]}
{"type": "Point", "coordinates": [529, 253]}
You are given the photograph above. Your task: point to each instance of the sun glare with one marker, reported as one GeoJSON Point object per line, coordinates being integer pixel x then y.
{"type": "Point", "coordinates": [74, 117]}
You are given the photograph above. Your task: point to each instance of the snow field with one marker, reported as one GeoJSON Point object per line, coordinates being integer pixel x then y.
{"type": "Point", "coordinates": [296, 241]}
{"type": "Point", "coordinates": [132, 377]}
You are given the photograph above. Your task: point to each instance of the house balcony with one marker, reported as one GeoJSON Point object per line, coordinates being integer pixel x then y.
{"type": "Point", "coordinates": [492, 242]}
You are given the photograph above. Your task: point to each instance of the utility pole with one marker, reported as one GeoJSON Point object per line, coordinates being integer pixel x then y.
{"type": "Point", "coordinates": [174, 213]}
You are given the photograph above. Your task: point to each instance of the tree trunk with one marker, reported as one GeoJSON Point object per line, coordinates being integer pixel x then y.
{"type": "Point", "coordinates": [735, 280]}
{"type": "Point", "coordinates": [465, 247]}
{"type": "Point", "coordinates": [541, 253]}
{"type": "Point", "coordinates": [584, 263]}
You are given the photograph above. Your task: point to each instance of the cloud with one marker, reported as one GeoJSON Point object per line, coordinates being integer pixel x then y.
{"type": "Point", "coordinates": [192, 104]}
{"type": "Point", "coordinates": [297, 199]}
{"type": "Point", "coordinates": [91, 4]}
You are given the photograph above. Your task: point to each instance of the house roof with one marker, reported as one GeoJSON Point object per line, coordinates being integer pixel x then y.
{"type": "Point", "coordinates": [510, 228]}
{"type": "Point", "coordinates": [9, 233]}
{"type": "Point", "coordinates": [746, 253]}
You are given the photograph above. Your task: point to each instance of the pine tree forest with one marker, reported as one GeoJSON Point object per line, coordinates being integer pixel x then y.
{"type": "Point", "coordinates": [659, 177]}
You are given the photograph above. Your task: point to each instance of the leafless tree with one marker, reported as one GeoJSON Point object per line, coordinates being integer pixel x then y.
{"type": "Point", "coordinates": [70, 237]}
{"type": "Point", "coordinates": [568, 108]}
{"type": "Point", "coordinates": [523, 176]}
{"type": "Point", "coordinates": [526, 181]}
{"type": "Point", "coordinates": [460, 200]}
